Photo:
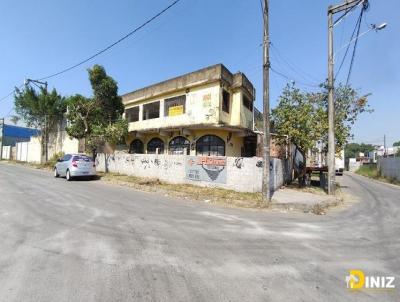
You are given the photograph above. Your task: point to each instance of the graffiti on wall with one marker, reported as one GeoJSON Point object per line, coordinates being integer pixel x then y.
{"type": "Point", "coordinates": [238, 163]}
{"type": "Point", "coordinates": [205, 168]}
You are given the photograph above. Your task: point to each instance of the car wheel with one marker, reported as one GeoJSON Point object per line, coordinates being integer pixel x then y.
{"type": "Point", "coordinates": [68, 176]}
{"type": "Point", "coordinates": [56, 175]}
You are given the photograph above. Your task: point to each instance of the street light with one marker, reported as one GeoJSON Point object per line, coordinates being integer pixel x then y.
{"type": "Point", "coordinates": [373, 27]}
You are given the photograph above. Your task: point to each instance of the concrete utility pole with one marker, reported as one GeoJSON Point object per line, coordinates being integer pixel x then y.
{"type": "Point", "coordinates": [266, 190]}
{"type": "Point", "coordinates": [384, 145]}
{"type": "Point", "coordinates": [333, 9]}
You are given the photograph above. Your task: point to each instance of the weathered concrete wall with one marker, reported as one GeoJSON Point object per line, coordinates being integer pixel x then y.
{"type": "Point", "coordinates": [60, 142]}
{"type": "Point", "coordinates": [389, 167]}
{"type": "Point", "coordinates": [242, 174]}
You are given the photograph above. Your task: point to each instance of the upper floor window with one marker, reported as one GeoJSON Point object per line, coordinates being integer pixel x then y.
{"type": "Point", "coordinates": [226, 100]}
{"type": "Point", "coordinates": [178, 145]}
{"type": "Point", "coordinates": [136, 146]}
{"type": "Point", "coordinates": [175, 106]}
{"type": "Point", "coordinates": [247, 103]}
{"type": "Point", "coordinates": [132, 114]}
{"type": "Point", "coordinates": [210, 145]}
{"type": "Point", "coordinates": [151, 110]}
{"type": "Point", "coordinates": [154, 144]}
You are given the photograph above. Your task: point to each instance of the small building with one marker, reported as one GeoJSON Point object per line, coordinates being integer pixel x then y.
{"type": "Point", "coordinates": [208, 112]}
{"type": "Point", "coordinates": [11, 134]}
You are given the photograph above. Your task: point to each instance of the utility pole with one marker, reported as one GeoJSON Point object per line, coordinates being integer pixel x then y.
{"type": "Point", "coordinates": [384, 146]}
{"type": "Point", "coordinates": [266, 190]}
{"type": "Point", "coordinates": [333, 9]}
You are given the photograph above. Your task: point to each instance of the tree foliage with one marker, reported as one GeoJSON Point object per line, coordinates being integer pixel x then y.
{"type": "Point", "coordinates": [105, 94]}
{"type": "Point", "coordinates": [304, 115]}
{"type": "Point", "coordinates": [82, 115]}
{"type": "Point", "coordinates": [396, 144]}
{"type": "Point", "coordinates": [97, 119]}
{"type": "Point", "coordinates": [39, 109]}
{"type": "Point", "coordinates": [352, 150]}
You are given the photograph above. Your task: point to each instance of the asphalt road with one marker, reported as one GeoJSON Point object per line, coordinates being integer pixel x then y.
{"type": "Point", "coordinates": [90, 241]}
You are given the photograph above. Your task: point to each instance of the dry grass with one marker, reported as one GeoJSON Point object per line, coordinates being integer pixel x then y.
{"type": "Point", "coordinates": [211, 195]}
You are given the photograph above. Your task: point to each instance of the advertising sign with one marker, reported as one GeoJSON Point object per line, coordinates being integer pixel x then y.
{"type": "Point", "coordinates": [206, 168]}
{"type": "Point", "coordinates": [175, 110]}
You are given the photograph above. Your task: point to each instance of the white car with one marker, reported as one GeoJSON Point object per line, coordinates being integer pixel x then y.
{"type": "Point", "coordinates": [75, 165]}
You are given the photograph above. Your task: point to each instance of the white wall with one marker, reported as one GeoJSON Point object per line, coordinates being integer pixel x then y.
{"type": "Point", "coordinates": [22, 151]}
{"type": "Point", "coordinates": [29, 151]}
{"type": "Point", "coordinates": [6, 152]}
{"type": "Point", "coordinates": [242, 174]}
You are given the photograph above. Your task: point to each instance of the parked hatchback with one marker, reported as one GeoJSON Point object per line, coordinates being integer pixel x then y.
{"type": "Point", "coordinates": [75, 165]}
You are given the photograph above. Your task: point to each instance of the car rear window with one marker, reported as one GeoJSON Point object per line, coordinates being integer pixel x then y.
{"type": "Point", "coordinates": [82, 158]}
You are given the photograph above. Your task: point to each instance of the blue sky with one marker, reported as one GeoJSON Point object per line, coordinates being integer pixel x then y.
{"type": "Point", "coordinates": [42, 37]}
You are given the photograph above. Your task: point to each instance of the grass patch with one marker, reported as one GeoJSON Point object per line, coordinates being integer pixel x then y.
{"type": "Point", "coordinates": [371, 171]}
{"type": "Point", "coordinates": [368, 171]}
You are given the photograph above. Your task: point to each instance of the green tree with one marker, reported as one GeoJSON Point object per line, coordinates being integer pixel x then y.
{"type": "Point", "coordinates": [97, 119]}
{"type": "Point", "coordinates": [39, 109]}
{"type": "Point", "coordinates": [396, 144]}
{"type": "Point", "coordinates": [105, 94]}
{"type": "Point", "coordinates": [83, 113]}
{"type": "Point", "coordinates": [304, 116]}
{"type": "Point", "coordinates": [295, 116]}
{"type": "Point", "coordinates": [353, 149]}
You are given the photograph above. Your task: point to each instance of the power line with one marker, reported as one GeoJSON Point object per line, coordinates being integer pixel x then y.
{"type": "Point", "coordinates": [338, 20]}
{"type": "Point", "coordinates": [348, 46]}
{"type": "Point", "coordinates": [111, 45]}
{"type": "Point", "coordinates": [291, 79]}
{"type": "Point", "coordinates": [292, 66]}
{"type": "Point", "coordinates": [11, 93]}
{"type": "Point", "coordinates": [101, 51]}
{"type": "Point", "coordinates": [355, 46]}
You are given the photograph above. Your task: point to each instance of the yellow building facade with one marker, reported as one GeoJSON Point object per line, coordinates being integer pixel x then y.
{"type": "Point", "coordinates": [208, 112]}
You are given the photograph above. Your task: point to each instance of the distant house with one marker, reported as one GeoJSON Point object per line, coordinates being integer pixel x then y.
{"type": "Point", "coordinates": [208, 112]}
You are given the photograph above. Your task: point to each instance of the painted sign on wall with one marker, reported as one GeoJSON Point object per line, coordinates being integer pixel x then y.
{"type": "Point", "coordinates": [175, 110]}
{"type": "Point", "coordinates": [206, 168]}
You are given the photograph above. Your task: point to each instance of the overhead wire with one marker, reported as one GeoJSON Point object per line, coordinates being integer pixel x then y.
{"type": "Point", "coordinates": [291, 79]}
{"type": "Point", "coordinates": [10, 93]}
{"type": "Point", "coordinates": [348, 46]}
{"type": "Point", "coordinates": [101, 51]}
{"type": "Point", "coordinates": [354, 48]}
{"type": "Point", "coordinates": [291, 66]}
{"type": "Point", "coordinates": [112, 44]}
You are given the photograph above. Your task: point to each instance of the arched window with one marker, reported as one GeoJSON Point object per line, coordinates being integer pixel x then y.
{"type": "Point", "coordinates": [136, 146]}
{"type": "Point", "coordinates": [153, 144]}
{"type": "Point", "coordinates": [178, 144]}
{"type": "Point", "coordinates": [210, 145]}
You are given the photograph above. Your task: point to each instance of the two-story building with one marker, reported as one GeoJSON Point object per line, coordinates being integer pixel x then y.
{"type": "Point", "coordinates": [206, 112]}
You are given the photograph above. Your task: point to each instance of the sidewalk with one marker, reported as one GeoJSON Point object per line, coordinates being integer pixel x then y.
{"type": "Point", "coordinates": [293, 199]}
